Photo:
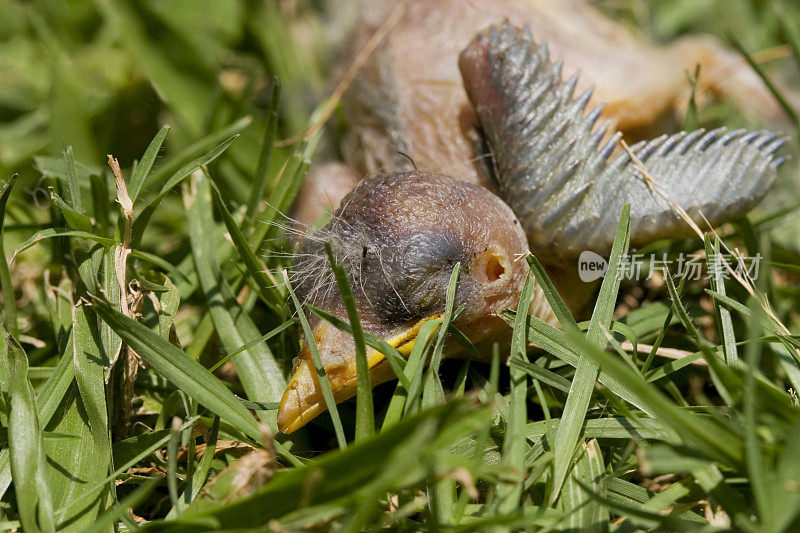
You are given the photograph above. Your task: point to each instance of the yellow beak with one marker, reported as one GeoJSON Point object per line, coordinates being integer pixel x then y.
{"type": "Point", "coordinates": [303, 400]}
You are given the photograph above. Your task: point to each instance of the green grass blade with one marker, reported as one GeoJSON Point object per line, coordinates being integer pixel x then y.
{"type": "Point", "coordinates": [433, 392]}
{"type": "Point", "coordinates": [260, 374]}
{"type": "Point", "coordinates": [766, 321]}
{"type": "Point", "coordinates": [441, 493]}
{"type": "Point", "coordinates": [52, 393]}
{"type": "Point", "coordinates": [586, 372]}
{"type": "Point", "coordinates": [172, 464]}
{"type": "Point", "coordinates": [790, 111]}
{"type": "Point", "coordinates": [690, 118]}
{"type": "Point", "coordinates": [460, 385]}
{"type": "Point", "coordinates": [187, 169]}
{"type": "Point", "coordinates": [255, 342]}
{"type": "Point", "coordinates": [101, 205]}
{"type": "Point", "coordinates": [324, 382]}
{"type": "Point", "coordinates": [365, 415]}
{"type": "Point", "coordinates": [111, 342]}
{"type": "Point", "coordinates": [405, 396]}
{"type": "Point", "coordinates": [142, 171]}
{"type": "Point", "coordinates": [514, 445]}
{"type": "Point", "coordinates": [201, 474]}
{"type": "Point", "coordinates": [143, 218]}
{"type": "Point", "coordinates": [557, 303]}
{"type": "Point", "coordinates": [25, 443]}
{"type": "Point", "coordinates": [72, 466]}
{"type": "Point", "coordinates": [48, 400]}
{"type": "Point", "coordinates": [51, 233]}
{"type": "Point", "coordinates": [159, 262]}
{"type": "Point", "coordinates": [186, 373]}
{"type": "Point", "coordinates": [659, 339]}
{"type": "Point", "coordinates": [94, 465]}
{"type": "Point", "coordinates": [73, 185]}
{"type": "Point", "coordinates": [262, 170]}
{"type": "Point", "coordinates": [714, 363]}
{"type": "Point", "coordinates": [717, 277]}
{"type": "Point", "coordinates": [461, 338]}
{"type": "Point", "coordinates": [606, 300]}
{"type": "Point", "coordinates": [9, 299]}
{"type": "Point", "coordinates": [255, 268]}
{"type": "Point", "coordinates": [169, 300]}
{"type": "Point", "coordinates": [761, 479]}
{"type": "Point", "coordinates": [666, 499]}
{"type": "Point", "coordinates": [608, 428]}
{"type": "Point", "coordinates": [197, 150]}
{"type": "Point", "coordinates": [586, 480]}
{"type": "Point", "coordinates": [541, 374]}
{"type": "Point", "coordinates": [283, 194]}
{"type": "Point", "coordinates": [673, 366]}
{"type": "Point", "coordinates": [74, 219]}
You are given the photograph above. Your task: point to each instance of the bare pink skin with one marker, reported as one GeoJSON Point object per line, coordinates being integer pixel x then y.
{"type": "Point", "coordinates": [323, 188]}
{"type": "Point", "coordinates": [409, 97]}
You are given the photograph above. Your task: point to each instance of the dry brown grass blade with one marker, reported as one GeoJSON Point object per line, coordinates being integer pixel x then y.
{"type": "Point", "coordinates": [131, 360]}
{"type": "Point", "coordinates": [668, 353]}
{"type": "Point", "coordinates": [121, 253]}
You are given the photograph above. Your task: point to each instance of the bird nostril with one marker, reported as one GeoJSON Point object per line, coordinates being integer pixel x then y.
{"type": "Point", "coordinates": [494, 268]}
{"type": "Point", "coordinates": [492, 265]}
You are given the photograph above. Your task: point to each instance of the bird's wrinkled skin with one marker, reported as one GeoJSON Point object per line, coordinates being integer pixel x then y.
{"type": "Point", "coordinates": [400, 234]}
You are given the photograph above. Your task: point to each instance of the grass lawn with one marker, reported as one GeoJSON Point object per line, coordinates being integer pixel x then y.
{"type": "Point", "coordinates": [147, 332]}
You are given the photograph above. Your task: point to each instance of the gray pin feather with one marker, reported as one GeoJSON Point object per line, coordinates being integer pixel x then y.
{"type": "Point", "coordinates": [564, 186]}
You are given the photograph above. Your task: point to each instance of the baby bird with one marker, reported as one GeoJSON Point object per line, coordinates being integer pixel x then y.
{"type": "Point", "coordinates": [399, 236]}
{"type": "Point", "coordinates": [559, 191]}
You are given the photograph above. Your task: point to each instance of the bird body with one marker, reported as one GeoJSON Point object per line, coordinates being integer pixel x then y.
{"type": "Point", "coordinates": [409, 97]}
{"type": "Point", "coordinates": [400, 234]}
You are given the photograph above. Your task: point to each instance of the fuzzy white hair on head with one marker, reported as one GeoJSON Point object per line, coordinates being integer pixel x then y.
{"type": "Point", "coordinates": [310, 273]}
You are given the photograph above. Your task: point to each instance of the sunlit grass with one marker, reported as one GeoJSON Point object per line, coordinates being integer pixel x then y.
{"type": "Point", "coordinates": [111, 414]}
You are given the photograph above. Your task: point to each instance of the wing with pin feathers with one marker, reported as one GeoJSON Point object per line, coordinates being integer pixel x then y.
{"type": "Point", "coordinates": [564, 182]}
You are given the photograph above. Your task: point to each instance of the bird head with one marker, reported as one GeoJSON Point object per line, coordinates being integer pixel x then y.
{"type": "Point", "coordinates": [398, 237]}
